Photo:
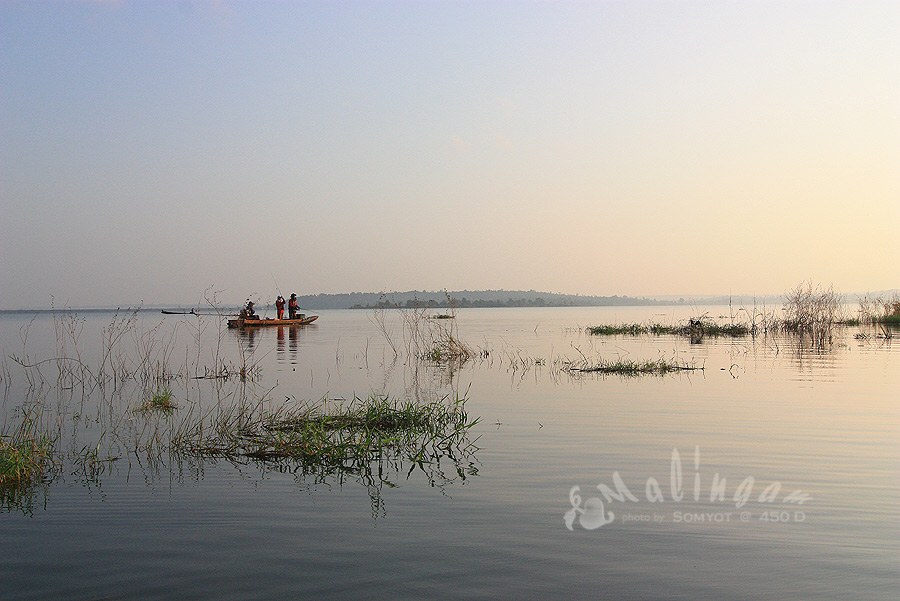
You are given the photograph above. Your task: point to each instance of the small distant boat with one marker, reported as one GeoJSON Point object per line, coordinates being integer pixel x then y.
{"type": "Point", "coordinates": [243, 322]}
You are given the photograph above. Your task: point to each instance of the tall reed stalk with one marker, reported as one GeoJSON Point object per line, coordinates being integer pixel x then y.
{"type": "Point", "coordinates": [811, 311]}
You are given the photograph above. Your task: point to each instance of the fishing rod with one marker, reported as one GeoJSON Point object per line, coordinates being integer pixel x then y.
{"type": "Point", "coordinates": [280, 295]}
{"type": "Point", "coordinates": [192, 312]}
{"type": "Point", "coordinates": [277, 287]}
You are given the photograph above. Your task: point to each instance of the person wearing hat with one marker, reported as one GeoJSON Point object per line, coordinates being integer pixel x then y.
{"type": "Point", "coordinates": [248, 312]}
{"type": "Point", "coordinates": [292, 307]}
{"type": "Point", "coordinates": [279, 306]}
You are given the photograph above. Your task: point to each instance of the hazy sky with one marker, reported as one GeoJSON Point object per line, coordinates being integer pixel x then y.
{"type": "Point", "coordinates": [152, 150]}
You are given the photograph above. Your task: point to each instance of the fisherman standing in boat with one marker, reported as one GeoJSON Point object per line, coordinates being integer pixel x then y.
{"type": "Point", "coordinates": [292, 307]}
{"type": "Point", "coordinates": [279, 306]}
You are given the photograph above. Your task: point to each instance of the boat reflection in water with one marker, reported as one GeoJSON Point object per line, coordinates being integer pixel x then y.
{"type": "Point", "coordinates": [249, 327]}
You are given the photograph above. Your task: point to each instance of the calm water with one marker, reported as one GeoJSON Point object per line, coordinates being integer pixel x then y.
{"type": "Point", "coordinates": [798, 448]}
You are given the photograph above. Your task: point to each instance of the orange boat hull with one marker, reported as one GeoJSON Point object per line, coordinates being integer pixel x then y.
{"type": "Point", "coordinates": [265, 323]}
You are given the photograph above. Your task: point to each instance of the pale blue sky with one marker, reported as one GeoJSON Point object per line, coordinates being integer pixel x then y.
{"type": "Point", "coordinates": [151, 150]}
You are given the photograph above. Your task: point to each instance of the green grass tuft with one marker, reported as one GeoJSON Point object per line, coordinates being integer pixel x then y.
{"type": "Point", "coordinates": [627, 367]}
{"type": "Point", "coordinates": [626, 329]}
{"type": "Point", "coordinates": [22, 461]}
{"type": "Point", "coordinates": [162, 400]}
{"type": "Point", "coordinates": [24, 456]}
{"type": "Point", "coordinates": [343, 437]}
{"type": "Point", "coordinates": [705, 328]}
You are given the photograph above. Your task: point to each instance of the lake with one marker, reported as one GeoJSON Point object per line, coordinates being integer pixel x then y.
{"type": "Point", "coordinates": [770, 471]}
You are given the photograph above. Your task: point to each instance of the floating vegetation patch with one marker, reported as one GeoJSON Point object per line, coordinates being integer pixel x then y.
{"type": "Point", "coordinates": [344, 438]}
{"type": "Point", "coordinates": [657, 329]}
{"type": "Point", "coordinates": [627, 329]}
{"type": "Point", "coordinates": [694, 328]}
{"type": "Point", "coordinates": [627, 367]}
{"type": "Point", "coordinates": [705, 327]}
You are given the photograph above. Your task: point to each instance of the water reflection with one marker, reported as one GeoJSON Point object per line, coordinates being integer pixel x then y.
{"type": "Point", "coordinates": [824, 420]}
{"type": "Point", "coordinates": [287, 340]}
{"type": "Point", "coordinates": [247, 337]}
{"type": "Point", "coordinates": [440, 468]}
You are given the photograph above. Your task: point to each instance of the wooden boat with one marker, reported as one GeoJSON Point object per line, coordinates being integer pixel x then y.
{"type": "Point", "coordinates": [241, 322]}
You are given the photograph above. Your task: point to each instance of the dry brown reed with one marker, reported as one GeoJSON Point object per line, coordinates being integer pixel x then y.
{"type": "Point", "coordinates": [880, 309]}
{"type": "Point", "coordinates": [811, 311]}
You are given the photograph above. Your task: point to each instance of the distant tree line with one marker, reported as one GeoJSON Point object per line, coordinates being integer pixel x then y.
{"type": "Point", "coordinates": [491, 299]}
{"type": "Point", "coordinates": [512, 298]}
{"type": "Point", "coordinates": [464, 303]}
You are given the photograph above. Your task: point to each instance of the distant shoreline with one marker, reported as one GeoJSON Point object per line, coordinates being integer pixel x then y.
{"type": "Point", "coordinates": [234, 310]}
{"type": "Point", "coordinates": [463, 299]}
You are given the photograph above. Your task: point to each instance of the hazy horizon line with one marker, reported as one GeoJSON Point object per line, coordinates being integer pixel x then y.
{"type": "Point", "coordinates": [686, 298]}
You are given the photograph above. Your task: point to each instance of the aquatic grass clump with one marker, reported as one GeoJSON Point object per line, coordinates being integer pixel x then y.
{"type": "Point", "coordinates": [627, 329]}
{"type": "Point", "coordinates": [22, 460]}
{"type": "Point", "coordinates": [658, 329]}
{"type": "Point", "coordinates": [735, 330]}
{"type": "Point", "coordinates": [162, 400]}
{"type": "Point", "coordinates": [26, 454]}
{"type": "Point", "coordinates": [706, 327]}
{"type": "Point", "coordinates": [694, 329]}
{"type": "Point", "coordinates": [363, 432]}
{"type": "Point", "coordinates": [627, 367]}
{"type": "Point", "coordinates": [344, 437]}
{"type": "Point", "coordinates": [364, 429]}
